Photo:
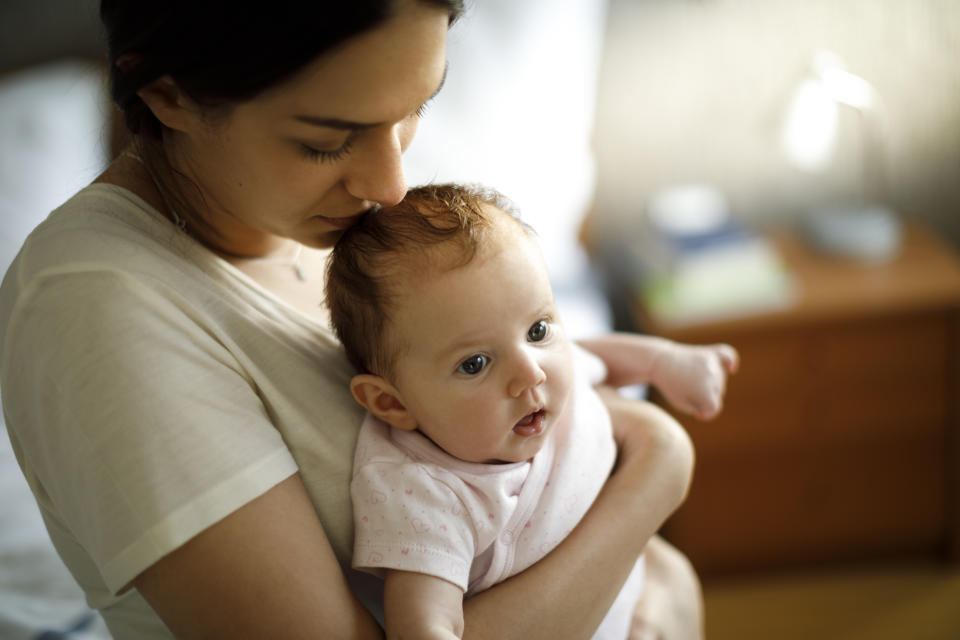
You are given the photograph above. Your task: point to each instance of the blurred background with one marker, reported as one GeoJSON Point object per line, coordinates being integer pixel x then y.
{"type": "Point", "coordinates": [780, 175]}
{"type": "Point", "coordinates": [697, 91]}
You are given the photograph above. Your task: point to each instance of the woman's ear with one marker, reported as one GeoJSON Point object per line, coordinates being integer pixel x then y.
{"type": "Point", "coordinates": [169, 103]}
{"type": "Point", "coordinates": [381, 399]}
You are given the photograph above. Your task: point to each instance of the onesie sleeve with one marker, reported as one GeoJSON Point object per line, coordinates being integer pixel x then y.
{"type": "Point", "coordinates": [134, 423]}
{"type": "Point", "coordinates": [407, 520]}
{"type": "Point", "coordinates": [588, 365]}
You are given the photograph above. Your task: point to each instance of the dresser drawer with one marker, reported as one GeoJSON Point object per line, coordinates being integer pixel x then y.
{"type": "Point", "coordinates": [832, 444]}
{"type": "Point", "coordinates": [829, 386]}
{"type": "Point", "coordinates": [754, 512]}
{"type": "Point", "coordinates": [840, 436]}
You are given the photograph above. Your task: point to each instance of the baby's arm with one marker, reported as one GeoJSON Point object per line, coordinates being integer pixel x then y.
{"type": "Point", "coordinates": [417, 605]}
{"type": "Point", "coordinates": [692, 378]}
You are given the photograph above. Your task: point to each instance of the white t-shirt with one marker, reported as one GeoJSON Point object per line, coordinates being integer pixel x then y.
{"type": "Point", "coordinates": [150, 389]}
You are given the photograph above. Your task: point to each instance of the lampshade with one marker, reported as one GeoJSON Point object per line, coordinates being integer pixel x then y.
{"type": "Point", "coordinates": [867, 229]}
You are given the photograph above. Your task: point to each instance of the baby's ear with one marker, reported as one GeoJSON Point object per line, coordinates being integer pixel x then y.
{"type": "Point", "coordinates": [381, 399]}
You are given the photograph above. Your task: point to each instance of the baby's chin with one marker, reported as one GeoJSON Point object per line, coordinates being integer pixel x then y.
{"type": "Point", "coordinates": [527, 455]}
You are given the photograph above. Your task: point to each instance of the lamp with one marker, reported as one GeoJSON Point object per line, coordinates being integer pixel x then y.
{"type": "Point", "coordinates": [867, 229]}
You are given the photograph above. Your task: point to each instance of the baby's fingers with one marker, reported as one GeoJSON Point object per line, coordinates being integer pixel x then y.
{"type": "Point", "coordinates": [728, 356]}
{"type": "Point", "coordinates": [703, 403]}
{"type": "Point", "coordinates": [709, 409]}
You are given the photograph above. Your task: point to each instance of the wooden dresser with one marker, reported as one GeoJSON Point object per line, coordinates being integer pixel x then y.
{"type": "Point", "coordinates": [839, 437]}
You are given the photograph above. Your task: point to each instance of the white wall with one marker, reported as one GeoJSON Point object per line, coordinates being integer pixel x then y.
{"type": "Point", "coordinates": [53, 121]}
{"type": "Point", "coordinates": [694, 91]}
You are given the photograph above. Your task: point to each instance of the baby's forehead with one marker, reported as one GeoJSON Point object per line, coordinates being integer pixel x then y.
{"type": "Point", "coordinates": [451, 260]}
{"type": "Point", "coordinates": [473, 246]}
{"type": "Point", "coordinates": [461, 247]}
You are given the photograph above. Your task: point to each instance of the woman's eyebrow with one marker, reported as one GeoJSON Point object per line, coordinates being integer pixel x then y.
{"type": "Point", "coordinates": [334, 123]}
{"type": "Point", "coordinates": [350, 125]}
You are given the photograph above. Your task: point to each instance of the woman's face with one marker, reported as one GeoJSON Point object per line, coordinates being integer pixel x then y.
{"type": "Point", "coordinates": [303, 159]}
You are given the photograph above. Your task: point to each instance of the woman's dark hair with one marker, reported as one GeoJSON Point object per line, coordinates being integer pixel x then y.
{"type": "Point", "coordinates": [220, 52]}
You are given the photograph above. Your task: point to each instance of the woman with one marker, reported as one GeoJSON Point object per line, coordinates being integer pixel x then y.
{"type": "Point", "coordinates": [174, 398]}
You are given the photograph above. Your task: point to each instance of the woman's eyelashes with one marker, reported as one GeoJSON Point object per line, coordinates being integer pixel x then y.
{"type": "Point", "coordinates": [318, 155]}
{"type": "Point", "coordinates": [474, 364]}
{"type": "Point", "coordinates": [322, 155]}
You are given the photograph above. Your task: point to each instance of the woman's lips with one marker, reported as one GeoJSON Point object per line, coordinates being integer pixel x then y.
{"type": "Point", "coordinates": [531, 424]}
{"type": "Point", "coordinates": [343, 223]}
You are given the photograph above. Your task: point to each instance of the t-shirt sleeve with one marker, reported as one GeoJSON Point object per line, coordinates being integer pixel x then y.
{"type": "Point", "coordinates": [134, 423]}
{"type": "Point", "coordinates": [408, 520]}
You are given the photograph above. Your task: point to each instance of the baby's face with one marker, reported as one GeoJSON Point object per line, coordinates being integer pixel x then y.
{"type": "Point", "coordinates": [489, 369]}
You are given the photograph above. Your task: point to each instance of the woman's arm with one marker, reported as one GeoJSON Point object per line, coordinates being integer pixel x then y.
{"type": "Point", "coordinates": [267, 570]}
{"type": "Point", "coordinates": [420, 606]}
{"type": "Point", "coordinates": [568, 592]}
{"type": "Point", "coordinates": [264, 571]}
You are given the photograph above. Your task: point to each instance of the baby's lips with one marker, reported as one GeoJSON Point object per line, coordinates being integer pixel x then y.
{"type": "Point", "coordinates": [526, 420]}
{"type": "Point", "coordinates": [530, 415]}
{"type": "Point", "coordinates": [531, 424]}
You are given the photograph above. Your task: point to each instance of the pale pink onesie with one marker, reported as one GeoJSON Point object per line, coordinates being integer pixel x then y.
{"type": "Point", "coordinates": [417, 508]}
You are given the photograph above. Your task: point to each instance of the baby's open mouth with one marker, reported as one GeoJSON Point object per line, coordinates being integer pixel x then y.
{"type": "Point", "coordinates": [531, 424]}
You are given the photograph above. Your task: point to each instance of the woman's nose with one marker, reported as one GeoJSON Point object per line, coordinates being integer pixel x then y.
{"type": "Point", "coordinates": [527, 374]}
{"type": "Point", "coordinates": [376, 170]}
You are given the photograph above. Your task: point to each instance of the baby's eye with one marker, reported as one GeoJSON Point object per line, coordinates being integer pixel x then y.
{"type": "Point", "coordinates": [538, 331]}
{"type": "Point", "coordinates": [473, 365]}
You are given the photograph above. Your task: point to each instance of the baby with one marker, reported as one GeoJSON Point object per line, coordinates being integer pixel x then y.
{"type": "Point", "coordinates": [485, 441]}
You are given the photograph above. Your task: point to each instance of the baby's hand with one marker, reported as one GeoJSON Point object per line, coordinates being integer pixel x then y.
{"type": "Point", "coordinates": [694, 378]}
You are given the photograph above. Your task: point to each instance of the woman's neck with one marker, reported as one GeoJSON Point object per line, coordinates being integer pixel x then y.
{"type": "Point", "coordinates": [131, 171]}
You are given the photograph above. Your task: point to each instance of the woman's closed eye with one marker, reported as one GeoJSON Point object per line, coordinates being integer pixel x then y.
{"type": "Point", "coordinates": [326, 155]}
{"type": "Point", "coordinates": [333, 155]}
{"type": "Point", "coordinates": [474, 364]}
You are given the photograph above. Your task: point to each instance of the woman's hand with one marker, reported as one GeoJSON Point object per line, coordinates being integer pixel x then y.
{"type": "Point", "coordinates": [671, 606]}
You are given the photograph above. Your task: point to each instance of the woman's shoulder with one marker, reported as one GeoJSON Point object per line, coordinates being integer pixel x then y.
{"type": "Point", "coordinates": [103, 224]}
{"type": "Point", "coordinates": [94, 234]}
{"type": "Point", "coordinates": [108, 235]}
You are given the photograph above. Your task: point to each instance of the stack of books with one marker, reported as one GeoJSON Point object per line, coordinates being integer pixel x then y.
{"type": "Point", "coordinates": [698, 264]}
